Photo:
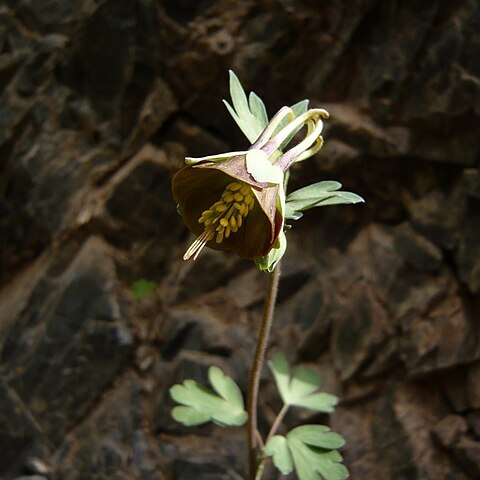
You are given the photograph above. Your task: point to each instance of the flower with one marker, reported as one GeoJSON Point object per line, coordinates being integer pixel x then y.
{"type": "Point", "coordinates": [236, 201]}
{"type": "Point", "coordinates": [227, 208]}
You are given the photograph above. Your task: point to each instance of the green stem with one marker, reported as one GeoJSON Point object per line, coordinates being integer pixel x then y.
{"type": "Point", "coordinates": [252, 400]}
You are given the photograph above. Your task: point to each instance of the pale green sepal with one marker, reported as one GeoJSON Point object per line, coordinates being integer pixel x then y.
{"type": "Point", "coordinates": [260, 168]}
{"type": "Point", "coordinates": [268, 262]}
{"type": "Point", "coordinates": [223, 406]}
{"type": "Point", "coordinates": [300, 388]}
{"type": "Point", "coordinates": [220, 157]}
{"type": "Point", "coordinates": [277, 448]}
{"type": "Point", "coordinates": [251, 116]}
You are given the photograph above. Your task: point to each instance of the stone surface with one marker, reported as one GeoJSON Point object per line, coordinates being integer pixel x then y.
{"type": "Point", "coordinates": [102, 99]}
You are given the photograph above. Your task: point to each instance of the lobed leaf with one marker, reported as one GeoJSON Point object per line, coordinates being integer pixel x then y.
{"type": "Point", "coordinates": [198, 404]}
{"type": "Point", "coordinates": [250, 115]}
{"type": "Point", "coordinates": [277, 448]}
{"type": "Point", "coordinates": [318, 195]}
{"type": "Point", "coordinates": [300, 388]}
{"type": "Point", "coordinates": [311, 450]}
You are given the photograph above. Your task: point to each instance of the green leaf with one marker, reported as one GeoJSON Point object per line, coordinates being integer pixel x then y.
{"type": "Point", "coordinates": [141, 288]}
{"type": "Point", "coordinates": [301, 387]}
{"type": "Point", "coordinates": [250, 115]}
{"type": "Point", "coordinates": [277, 448]}
{"type": "Point", "coordinates": [258, 109]}
{"type": "Point", "coordinates": [318, 195]}
{"type": "Point", "coordinates": [223, 406]}
{"type": "Point", "coordinates": [313, 451]}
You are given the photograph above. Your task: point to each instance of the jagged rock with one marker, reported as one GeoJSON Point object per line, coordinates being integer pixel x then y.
{"type": "Point", "coordinates": [207, 324]}
{"type": "Point", "coordinates": [191, 456]}
{"type": "Point", "coordinates": [18, 429]}
{"type": "Point", "coordinates": [120, 443]}
{"type": "Point", "coordinates": [473, 386]}
{"type": "Point", "coordinates": [467, 453]}
{"type": "Point", "coordinates": [76, 335]}
{"type": "Point", "coordinates": [101, 100]}
{"type": "Point", "coordinates": [473, 420]}
{"type": "Point", "coordinates": [449, 429]}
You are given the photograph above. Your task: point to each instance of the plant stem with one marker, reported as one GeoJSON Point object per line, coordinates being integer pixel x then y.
{"type": "Point", "coordinates": [252, 400]}
{"type": "Point", "coordinates": [277, 422]}
{"type": "Point", "coordinates": [271, 433]}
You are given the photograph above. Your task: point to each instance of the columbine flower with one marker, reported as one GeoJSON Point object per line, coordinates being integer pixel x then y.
{"type": "Point", "coordinates": [236, 201]}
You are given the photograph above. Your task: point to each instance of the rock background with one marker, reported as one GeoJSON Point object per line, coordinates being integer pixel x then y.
{"type": "Point", "coordinates": [100, 100]}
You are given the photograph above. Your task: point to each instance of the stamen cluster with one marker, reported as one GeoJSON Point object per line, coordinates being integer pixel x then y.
{"type": "Point", "coordinates": [224, 217]}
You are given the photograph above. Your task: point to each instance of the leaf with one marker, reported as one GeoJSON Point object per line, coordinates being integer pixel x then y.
{"type": "Point", "coordinates": [141, 288]}
{"type": "Point", "coordinates": [223, 406]}
{"type": "Point", "coordinates": [312, 448]}
{"type": "Point", "coordinates": [257, 107]}
{"type": "Point", "coordinates": [277, 448]}
{"type": "Point", "coordinates": [318, 195]}
{"type": "Point", "coordinates": [250, 115]}
{"type": "Point", "coordinates": [301, 387]}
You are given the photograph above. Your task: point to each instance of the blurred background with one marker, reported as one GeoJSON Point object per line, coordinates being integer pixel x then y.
{"type": "Point", "coordinates": [100, 100]}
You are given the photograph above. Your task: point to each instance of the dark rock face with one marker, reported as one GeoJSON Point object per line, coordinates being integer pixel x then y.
{"type": "Point", "coordinates": [101, 100]}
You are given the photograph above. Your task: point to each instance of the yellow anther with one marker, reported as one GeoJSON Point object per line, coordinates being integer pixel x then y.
{"type": "Point", "coordinates": [224, 217]}
{"type": "Point", "coordinates": [233, 187]}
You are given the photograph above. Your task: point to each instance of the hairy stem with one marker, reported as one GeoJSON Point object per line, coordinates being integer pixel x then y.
{"type": "Point", "coordinates": [252, 400]}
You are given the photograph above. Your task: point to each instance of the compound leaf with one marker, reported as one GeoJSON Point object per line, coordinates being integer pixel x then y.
{"type": "Point", "coordinates": [312, 450]}
{"type": "Point", "coordinates": [198, 404]}
{"type": "Point", "coordinates": [250, 116]}
{"type": "Point", "coordinates": [300, 388]}
{"type": "Point", "coordinates": [318, 195]}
